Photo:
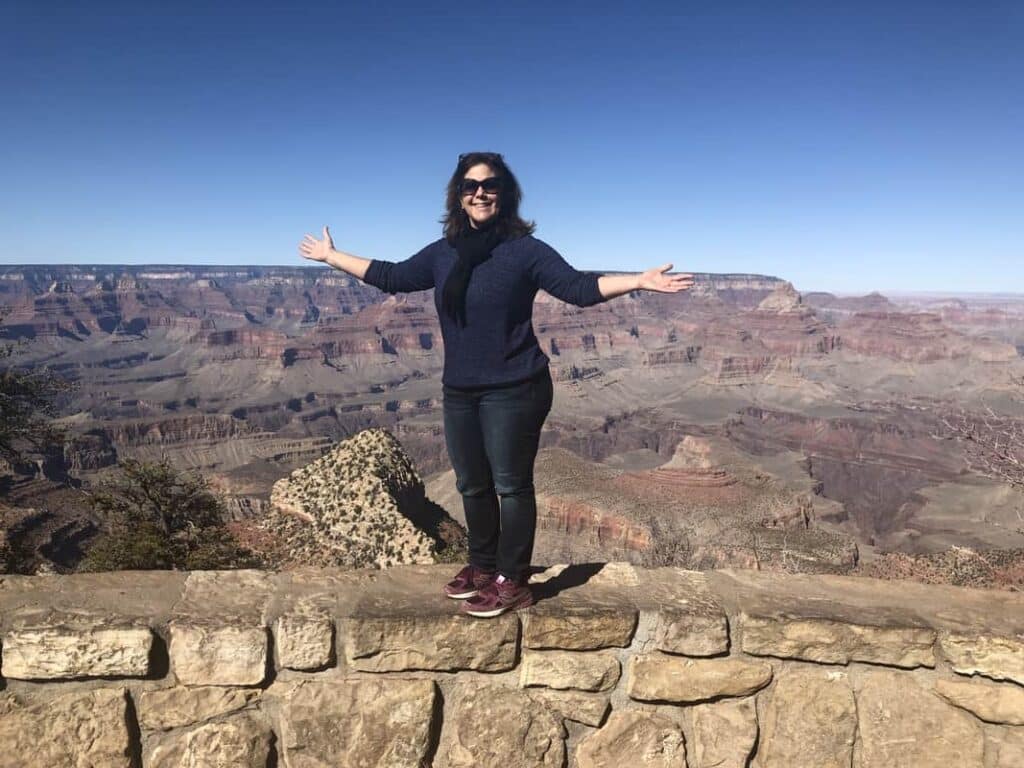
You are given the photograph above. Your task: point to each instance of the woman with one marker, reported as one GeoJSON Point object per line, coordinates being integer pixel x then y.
{"type": "Point", "coordinates": [497, 388]}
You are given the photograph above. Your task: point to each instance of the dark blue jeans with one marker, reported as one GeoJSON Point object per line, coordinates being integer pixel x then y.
{"type": "Point", "coordinates": [492, 437]}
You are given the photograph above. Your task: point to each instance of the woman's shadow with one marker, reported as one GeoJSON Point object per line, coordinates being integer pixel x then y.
{"type": "Point", "coordinates": [575, 575]}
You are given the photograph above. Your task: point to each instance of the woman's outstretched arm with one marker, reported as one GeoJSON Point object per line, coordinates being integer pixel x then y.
{"type": "Point", "coordinates": [611, 286]}
{"type": "Point", "coordinates": [324, 251]}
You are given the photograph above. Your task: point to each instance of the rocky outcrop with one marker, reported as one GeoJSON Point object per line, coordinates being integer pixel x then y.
{"type": "Point", "coordinates": [362, 504]}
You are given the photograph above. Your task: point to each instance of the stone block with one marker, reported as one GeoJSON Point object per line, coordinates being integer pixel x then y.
{"type": "Point", "coordinates": [488, 725]}
{"type": "Point", "coordinates": [304, 640]}
{"type": "Point", "coordinates": [692, 633]}
{"type": "Point", "coordinates": [635, 739]}
{"type": "Point", "coordinates": [991, 703]}
{"type": "Point", "coordinates": [431, 641]}
{"type": "Point", "coordinates": [177, 707]}
{"type": "Point", "coordinates": [836, 642]}
{"type": "Point", "coordinates": [208, 654]}
{"type": "Point", "coordinates": [1000, 658]}
{"type": "Point", "coordinates": [569, 669]}
{"type": "Point", "coordinates": [586, 708]}
{"type": "Point", "coordinates": [78, 648]}
{"type": "Point", "coordinates": [809, 721]}
{"type": "Point", "coordinates": [1005, 746]}
{"type": "Point", "coordinates": [240, 741]}
{"type": "Point", "coordinates": [724, 733]}
{"type": "Point", "coordinates": [657, 677]}
{"type": "Point", "coordinates": [578, 627]}
{"type": "Point", "coordinates": [901, 725]}
{"type": "Point", "coordinates": [375, 723]}
{"type": "Point", "coordinates": [85, 728]}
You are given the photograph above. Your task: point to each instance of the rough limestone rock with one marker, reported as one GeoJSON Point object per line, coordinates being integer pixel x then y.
{"type": "Point", "coordinates": [487, 725]}
{"type": "Point", "coordinates": [61, 647]}
{"type": "Point", "coordinates": [700, 632]}
{"type": "Point", "coordinates": [992, 703]}
{"type": "Point", "coordinates": [87, 729]}
{"type": "Point", "coordinates": [176, 707]}
{"type": "Point", "coordinates": [656, 677]}
{"type": "Point", "coordinates": [809, 721]}
{"type": "Point", "coordinates": [1005, 747]}
{"type": "Point", "coordinates": [578, 627]}
{"type": "Point", "coordinates": [373, 723]}
{"type": "Point", "coordinates": [304, 639]}
{"type": "Point", "coordinates": [449, 642]}
{"type": "Point", "coordinates": [724, 733]}
{"type": "Point", "coordinates": [905, 726]}
{"type": "Point", "coordinates": [349, 507]}
{"type": "Point", "coordinates": [203, 654]}
{"type": "Point", "coordinates": [634, 738]}
{"type": "Point", "coordinates": [1001, 658]}
{"type": "Point", "coordinates": [835, 642]}
{"type": "Point", "coordinates": [241, 741]}
{"type": "Point", "coordinates": [568, 669]}
{"type": "Point", "coordinates": [586, 708]}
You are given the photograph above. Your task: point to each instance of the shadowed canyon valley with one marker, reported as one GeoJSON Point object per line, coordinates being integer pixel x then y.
{"type": "Point", "coordinates": [738, 424]}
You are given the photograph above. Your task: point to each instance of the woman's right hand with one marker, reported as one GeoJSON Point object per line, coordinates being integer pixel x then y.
{"type": "Point", "coordinates": [317, 250]}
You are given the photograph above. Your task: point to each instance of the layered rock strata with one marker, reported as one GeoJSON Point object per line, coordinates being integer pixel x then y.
{"type": "Point", "coordinates": [614, 665]}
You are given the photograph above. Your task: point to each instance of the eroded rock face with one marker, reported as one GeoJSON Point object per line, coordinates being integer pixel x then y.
{"type": "Point", "coordinates": [442, 642]}
{"type": "Point", "coordinates": [177, 707]}
{"type": "Point", "coordinates": [80, 647]}
{"type": "Point", "coordinates": [992, 703]}
{"type": "Point", "coordinates": [242, 741]}
{"type": "Point", "coordinates": [835, 642]}
{"type": "Point", "coordinates": [565, 669]}
{"type": "Point", "coordinates": [488, 725]}
{"type": "Point", "coordinates": [904, 726]}
{"type": "Point", "coordinates": [203, 654]}
{"type": "Point", "coordinates": [634, 738]}
{"type": "Point", "coordinates": [724, 733]}
{"type": "Point", "coordinates": [810, 721]}
{"type": "Point", "coordinates": [79, 729]}
{"type": "Point", "coordinates": [1001, 658]}
{"type": "Point", "coordinates": [656, 677]}
{"type": "Point", "coordinates": [355, 724]}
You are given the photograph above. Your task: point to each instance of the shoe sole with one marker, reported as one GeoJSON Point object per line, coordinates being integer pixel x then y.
{"type": "Point", "coordinates": [463, 595]}
{"type": "Point", "coordinates": [523, 603]}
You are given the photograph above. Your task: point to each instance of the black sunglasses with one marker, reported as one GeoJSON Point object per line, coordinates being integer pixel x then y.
{"type": "Point", "coordinates": [491, 185]}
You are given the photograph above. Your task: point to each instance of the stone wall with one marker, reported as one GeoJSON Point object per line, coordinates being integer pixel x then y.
{"type": "Point", "coordinates": [614, 666]}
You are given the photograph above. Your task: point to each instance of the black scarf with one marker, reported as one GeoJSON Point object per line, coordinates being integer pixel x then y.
{"type": "Point", "coordinates": [474, 247]}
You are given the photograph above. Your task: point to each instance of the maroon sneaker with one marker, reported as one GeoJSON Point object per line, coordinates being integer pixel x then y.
{"type": "Point", "coordinates": [468, 582]}
{"type": "Point", "coordinates": [499, 596]}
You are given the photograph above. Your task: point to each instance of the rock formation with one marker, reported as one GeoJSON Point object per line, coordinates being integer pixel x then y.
{"type": "Point", "coordinates": [358, 505]}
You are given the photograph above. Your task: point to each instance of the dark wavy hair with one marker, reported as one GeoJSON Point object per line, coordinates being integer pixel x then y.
{"type": "Point", "coordinates": [509, 224]}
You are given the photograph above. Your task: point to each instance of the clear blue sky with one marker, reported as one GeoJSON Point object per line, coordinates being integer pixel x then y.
{"type": "Point", "coordinates": [843, 146]}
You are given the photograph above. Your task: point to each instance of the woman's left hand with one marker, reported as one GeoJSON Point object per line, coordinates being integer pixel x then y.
{"type": "Point", "coordinates": [656, 280]}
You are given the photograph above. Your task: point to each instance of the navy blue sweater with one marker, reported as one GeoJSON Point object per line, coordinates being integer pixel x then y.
{"type": "Point", "coordinates": [497, 346]}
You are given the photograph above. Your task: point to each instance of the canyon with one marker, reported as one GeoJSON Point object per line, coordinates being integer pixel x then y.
{"type": "Point", "coordinates": [738, 424]}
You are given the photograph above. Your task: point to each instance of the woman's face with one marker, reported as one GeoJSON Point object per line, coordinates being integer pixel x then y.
{"type": "Point", "coordinates": [480, 206]}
